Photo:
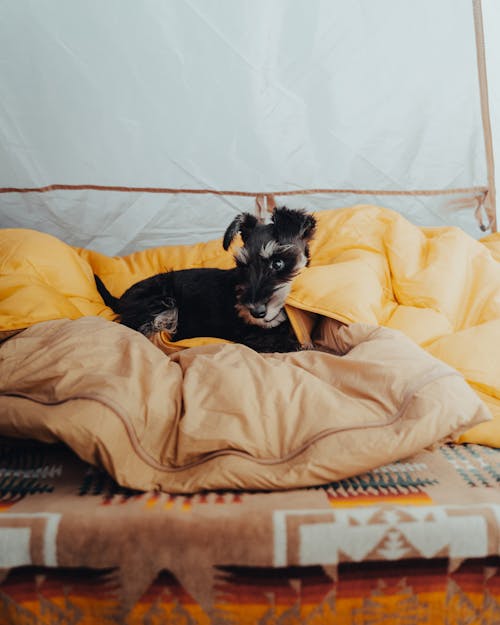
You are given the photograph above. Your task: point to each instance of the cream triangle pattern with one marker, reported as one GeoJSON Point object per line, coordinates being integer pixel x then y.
{"type": "Point", "coordinates": [380, 533]}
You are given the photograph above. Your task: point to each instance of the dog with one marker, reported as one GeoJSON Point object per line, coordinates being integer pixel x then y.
{"type": "Point", "coordinates": [244, 304]}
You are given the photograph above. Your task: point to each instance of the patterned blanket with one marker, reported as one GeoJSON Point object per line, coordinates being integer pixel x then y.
{"type": "Point", "coordinates": [426, 531]}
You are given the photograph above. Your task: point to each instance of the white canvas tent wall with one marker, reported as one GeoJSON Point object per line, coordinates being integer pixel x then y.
{"type": "Point", "coordinates": [131, 124]}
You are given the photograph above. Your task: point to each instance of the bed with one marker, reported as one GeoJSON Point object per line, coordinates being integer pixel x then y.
{"type": "Point", "coordinates": [381, 509]}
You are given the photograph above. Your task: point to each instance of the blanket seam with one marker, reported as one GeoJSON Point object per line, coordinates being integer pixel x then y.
{"type": "Point", "coordinates": [145, 456]}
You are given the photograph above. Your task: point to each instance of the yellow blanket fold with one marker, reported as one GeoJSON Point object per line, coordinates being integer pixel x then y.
{"type": "Point", "coordinates": [368, 264]}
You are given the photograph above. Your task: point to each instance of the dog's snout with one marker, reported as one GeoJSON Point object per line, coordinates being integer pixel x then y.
{"type": "Point", "coordinates": [258, 310]}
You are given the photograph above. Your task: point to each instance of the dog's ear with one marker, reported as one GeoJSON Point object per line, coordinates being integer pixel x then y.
{"type": "Point", "coordinates": [290, 224]}
{"type": "Point", "coordinates": [243, 223]}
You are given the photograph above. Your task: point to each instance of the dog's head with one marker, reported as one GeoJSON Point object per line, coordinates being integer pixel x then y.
{"type": "Point", "coordinates": [149, 306]}
{"type": "Point", "coordinates": [271, 256]}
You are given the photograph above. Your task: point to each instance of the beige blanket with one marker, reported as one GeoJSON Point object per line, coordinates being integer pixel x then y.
{"type": "Point", "coordinates": [224, 416]}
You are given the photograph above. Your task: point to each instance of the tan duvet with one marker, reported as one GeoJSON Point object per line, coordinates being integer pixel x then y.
{"type": "Point", "coordinates": [224, 416]}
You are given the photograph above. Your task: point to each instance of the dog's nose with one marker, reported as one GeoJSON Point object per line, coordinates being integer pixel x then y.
{"type": "Point", "coordinates": [258, 310]}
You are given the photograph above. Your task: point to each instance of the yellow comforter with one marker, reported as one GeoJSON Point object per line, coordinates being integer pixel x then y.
{"type": "Point", "coordinates": [368, 264]}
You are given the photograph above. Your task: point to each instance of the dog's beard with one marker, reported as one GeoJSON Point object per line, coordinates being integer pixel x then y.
{"type": "Point", "coordinates": [274, 313]}
{"type": "Point", "coordinates": [163, 322]}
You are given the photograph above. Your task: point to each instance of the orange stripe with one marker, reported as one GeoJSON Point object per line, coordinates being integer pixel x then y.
{"type": "Point", "coordinates": [366, 500]}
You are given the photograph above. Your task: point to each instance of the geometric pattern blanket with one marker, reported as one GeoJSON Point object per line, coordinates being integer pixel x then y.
{"type": "Point", "coordinates": [407, 592]}
{"type": "Point", "coordinates": [440, 508]}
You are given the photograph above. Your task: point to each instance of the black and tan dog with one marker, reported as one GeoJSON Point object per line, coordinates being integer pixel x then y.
{"type": "Point", "coordinates": [244, 304]}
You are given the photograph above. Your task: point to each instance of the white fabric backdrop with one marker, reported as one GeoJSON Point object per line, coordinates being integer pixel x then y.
{"type": "Point", "coordinates": [246, 95]}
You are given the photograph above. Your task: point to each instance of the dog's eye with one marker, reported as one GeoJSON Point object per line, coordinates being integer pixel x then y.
{"type": "Point", "coordinates": [277, 264]}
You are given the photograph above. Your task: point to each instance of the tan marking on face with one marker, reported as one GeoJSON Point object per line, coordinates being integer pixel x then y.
{"type": "Point", "coordinates": [274, 313]}
{"type": "Point", "coordinates": [241, 254]}
{"type": "Point", "coordinates": [270, 248]}
{"type": "Point", "coordinates": [244, 314]}
{"type": "Point", "coordinates": [277, 301]}
{"type": "Point", "coordinates": [301, 262]}
{"type": "Point", "coordinates": [273, 247]}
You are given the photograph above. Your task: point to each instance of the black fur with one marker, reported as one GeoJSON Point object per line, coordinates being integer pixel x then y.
{"type": "Point", "coordinates": [243, 304]}
{"type": "Point", "coordinates": [147, 306]}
